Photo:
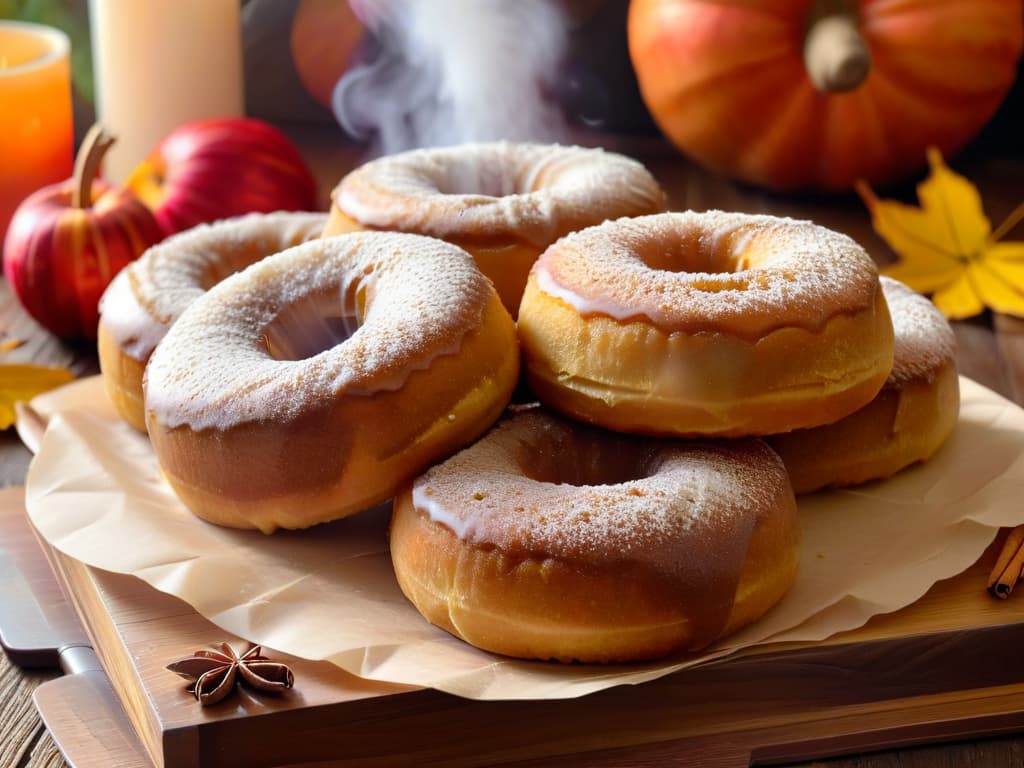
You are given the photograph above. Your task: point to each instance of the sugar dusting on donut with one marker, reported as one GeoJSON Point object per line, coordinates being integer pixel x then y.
{"type": "Point", "coordinates": [213, 371]}
{"type": "Point", "coordinates": [497, 190]}
{"type": "Point", "coordinates": [132, 327]}
{"type": "Point", "coordinates": [758, 272]}
{"type": "Point", "coordinates": [689, 489]}
{"type": "Point", "coordinates": [924, 339]}
{"type": "Point", "coordinates": [149, 294]}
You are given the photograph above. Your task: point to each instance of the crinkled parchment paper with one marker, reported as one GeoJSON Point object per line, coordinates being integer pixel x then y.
{"type": "Point", "coordinates": [94, 491]}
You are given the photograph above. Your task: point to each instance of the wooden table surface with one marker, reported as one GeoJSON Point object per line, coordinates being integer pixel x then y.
{"type": "Point", "coordinates": [991, 351]}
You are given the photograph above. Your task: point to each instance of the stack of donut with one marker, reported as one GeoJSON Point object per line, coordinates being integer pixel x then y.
{"type": "Point", "coordinates": [146, 297]}
{"type": "Point", "coordinates": [504, 203]}
{"type": "Point", "coordinates": [620, 540]}
{"type": "Point", "coordinates": [693, 369]}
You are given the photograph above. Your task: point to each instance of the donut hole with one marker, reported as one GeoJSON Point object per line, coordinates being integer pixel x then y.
{"type": "Point", "coordinates": [584, 456]}
{"type": "Point", "coordinates": [309, 326]}
{"type": "Point", "coordinates": [694, 251]}
{"type": "Point", "coordinates": [470, 177]}
{"type": "Point", "coordinates": [231, 260]}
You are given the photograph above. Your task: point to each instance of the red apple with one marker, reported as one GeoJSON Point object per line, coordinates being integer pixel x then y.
{"type": "Point", "coordinates": [213, 169]}
{"type": "Point", "coordinates": [66, 242]}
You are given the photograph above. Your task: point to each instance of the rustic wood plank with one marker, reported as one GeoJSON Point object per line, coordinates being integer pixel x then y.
{"type": "Point", "coordinates": [994, 359]}
{"type": "Point", "coordinates": [900, 686]}
{"type": "Point", "coordinates": [83, 709]}
{"type": "Point", "coordinates": [19, 724]}
{"type": "Point", "coordinates": [1009, 336]}
{"type": "Point", "coordinates": [41, 348]}
{"type": "Point", "coordinates": [979, 357]}
{"type": "Point", "coordinates": [45, 754]}
{"type": "Point", "coordinates": [39, 345]}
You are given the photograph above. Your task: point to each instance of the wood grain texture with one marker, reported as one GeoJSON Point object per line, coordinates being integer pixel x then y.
{"type": "Point", "coordinates": [921, 675]}
{"type": "Point", "coordinates": [651, 725]}
{"type": "Point", "coordinates": [19, 725]}
{"type": "Point", "coordinates": [1009, 335]}
{"type": "Point", "coordinates": [82, 707]}
{"type": "Point", "coordinates": [40, 347]}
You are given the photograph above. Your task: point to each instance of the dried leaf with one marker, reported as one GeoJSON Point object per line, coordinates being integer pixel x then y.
{"type": "Point", "coordinates": [20, 382]}
{"type": "Point", "coordinates": [946, 247]}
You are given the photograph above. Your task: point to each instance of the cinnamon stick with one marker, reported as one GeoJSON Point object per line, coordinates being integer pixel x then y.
{"type": "Point", "coordinates": [1009, 565]}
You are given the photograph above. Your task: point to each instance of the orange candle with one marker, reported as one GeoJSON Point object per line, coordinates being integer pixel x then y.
{"type": "Point", "coordinates": [36, 134]}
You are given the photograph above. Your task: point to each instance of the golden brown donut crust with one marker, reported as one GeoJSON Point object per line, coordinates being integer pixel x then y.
{"type": "Point", "coordinates": [502, 202]}
{"type": "Point", "coordinates": [148, 295]}
{"type": "Point", "coordinates": [697, 324]}
{"type": "Point", "coordinates": [122, 378]}
{"type": "Point", "coordinates": [908, 421]}
{"type": "Point", "coordinates": [250, 435]}
{"type": "Point", "coordinates": [515, 546]}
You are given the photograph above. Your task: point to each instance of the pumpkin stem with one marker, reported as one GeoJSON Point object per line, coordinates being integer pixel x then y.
{"type": "Point", "coordinates": [835, 54]}
{"type": "Point", "coordinates": [87, 164]}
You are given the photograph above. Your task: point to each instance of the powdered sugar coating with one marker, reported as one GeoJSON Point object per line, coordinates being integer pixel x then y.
{"type": "Point", "coordinates": [690, 503]}
{"type": "Point", "coordinates": [146, 297]}
{"type": "Point", "coordinates": [416, 299]}
{"type": "Point", "coordinates": [718, 272]}
{"type": "Point", "coordinates": [501, 190]}
{"type": "Point", "coordinates": [924, 339]}
{"type": "Point", "coordinates": [136, 331]}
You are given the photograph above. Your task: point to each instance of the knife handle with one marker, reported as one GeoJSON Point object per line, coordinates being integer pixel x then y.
{"type": "Point", "coordinates": [87, 722]}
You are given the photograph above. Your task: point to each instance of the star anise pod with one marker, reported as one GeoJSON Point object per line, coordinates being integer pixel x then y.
{"type": "Point", "coordinates": [214, 671]}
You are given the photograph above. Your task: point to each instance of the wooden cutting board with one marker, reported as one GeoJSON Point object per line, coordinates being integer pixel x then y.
{"type": "Point", "coordinates": [948, 667]}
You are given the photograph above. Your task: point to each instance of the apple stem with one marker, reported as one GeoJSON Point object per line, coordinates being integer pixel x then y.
{"type": "Point", "coordinates": [87, 164]}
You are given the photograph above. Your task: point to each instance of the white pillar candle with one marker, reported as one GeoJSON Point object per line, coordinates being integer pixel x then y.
{"type": "Point", "coordinates": [160, 63]}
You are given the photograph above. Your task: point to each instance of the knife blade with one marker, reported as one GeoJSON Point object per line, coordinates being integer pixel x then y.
{"type": "Point", "coordinates": [39, 628]}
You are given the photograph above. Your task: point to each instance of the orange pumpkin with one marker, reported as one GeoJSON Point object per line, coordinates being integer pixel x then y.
{"type": "Point", "coordinates": [325, 40]}
{"type": "Point", "coordinates": [814, 94]}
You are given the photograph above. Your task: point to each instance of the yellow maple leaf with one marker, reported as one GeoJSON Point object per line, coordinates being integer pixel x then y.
{"type": "Point", "coordinates": [20, 382]}
{"type": "Point", "coordinates": [947, 248]}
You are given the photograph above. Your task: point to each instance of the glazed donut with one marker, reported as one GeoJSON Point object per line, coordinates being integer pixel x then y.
{"type": "Point", "coordinates": [316, 382]}
{"type": "Point", "coordinates": [553, 540]}
{"type": "Point", "coordinates": [907, 421]}
{"type": "Point", "coordinates": [502, 202]}
{"type": "Point", "coordinates": [151, 293]}
{"type": "Point", "coordinates": [705, 324]}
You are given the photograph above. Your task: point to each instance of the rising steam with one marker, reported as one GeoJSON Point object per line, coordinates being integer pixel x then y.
{"type": "Point", "coordinates": [450, 71]}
